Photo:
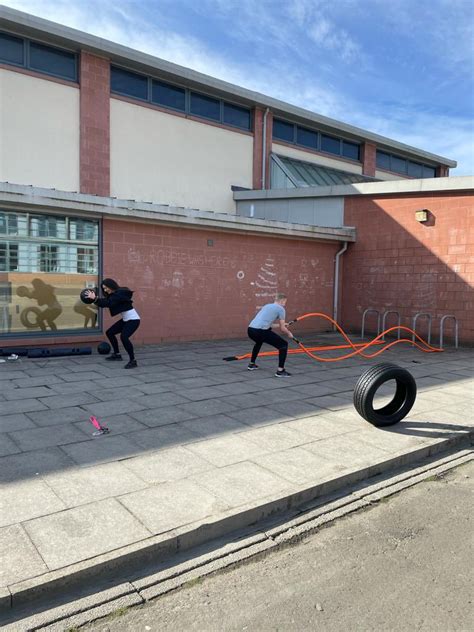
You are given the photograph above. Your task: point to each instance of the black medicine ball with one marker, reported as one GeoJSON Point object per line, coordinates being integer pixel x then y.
{"type": "Point", "coordinates": [103, 348]}
{"type": "Point", "coordinates": [84, 298]}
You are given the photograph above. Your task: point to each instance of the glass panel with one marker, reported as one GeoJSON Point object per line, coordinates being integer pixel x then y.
{"type": "Point", "coordinates": [399, 165]}
{"type": "Point", "coordinates": [330, 144]}
{"type": "Point", "coordinates": [42, 274]}
{"type": "Point", "coordinates": [284, 131]}
{"type": "Point", "coordinates": [383, 160]}
{"type": "Point", "coordinates": [234, 115]}
{"type": "Point", "coordinates": [169, 96]}
{"type": "Point", "coordinates": [415, 170]}
{"type": "Point", "coordinates": [306, 137]}
{"type": "Point", "coordinates": [350, 150]}
{"type": "Point", "coordinates": [11, 49]}
{"type": "Point", "coordinates": [205, 106]}
{"type": "Point", "coordinates": [428, 172]}
{"type": "Point", "coordinates": [128, 83]}
{"type": "Point", "coordinates": [53, 61]}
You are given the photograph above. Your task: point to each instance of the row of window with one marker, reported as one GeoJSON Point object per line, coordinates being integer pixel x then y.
{"type": "Point", "coordinates": [49, 226]}
{"type": "Point", "coordinates": [298, 135]}
{"type": "Point", "coordinates": [389, 162]}
{"type": "Point", "coordinates": [132, 84]}
{"type": "Point", "coordinates": [40, 57]}
{"type": "Point", "coordinates": [31, 257]}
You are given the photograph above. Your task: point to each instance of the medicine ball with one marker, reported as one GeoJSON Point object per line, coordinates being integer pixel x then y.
{"type": "Point", "coordinates": [103, 348]}
{"type": "Point", "coordinates": [84, 298]}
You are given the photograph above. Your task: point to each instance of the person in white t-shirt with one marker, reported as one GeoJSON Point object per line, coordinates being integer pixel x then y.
{"type": "Point", "coordinates": [119, 301]}
{"type": "Point", "coordinates": [260, 331]}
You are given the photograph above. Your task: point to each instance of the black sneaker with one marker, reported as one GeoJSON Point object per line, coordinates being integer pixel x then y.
{"type": "Point", "coordinates": [252, 366]}
{"type": "Point", "coordinates": [282, 373]}
{"type": "Point", "coordinates": [114, 356]}
{"type": "Point", "coordinates": [132, 364]}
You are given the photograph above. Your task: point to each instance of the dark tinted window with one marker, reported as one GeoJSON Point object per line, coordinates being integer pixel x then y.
{"type": "Point", "coordinates": [350, 150]}
{"type": "Point", "coordinates": [399, 165]}
{"type": "Point", "coordinates": [129, 83]}
{"type": "Point", "coordinates": [169, 96]}
{"type": "Point", "coordinates": [415, 170]}
{"type": "Point", "coordinates": [330, 144]}
{"type": "Point", "coordinates": [11, 49]}
{"type": "Point", "coordinates": [205, 106]}
{"type": "Point", "coordinates": [306, 137]}
{"type": "Point", "coordinates": [234, 115]}
{"type": "Point", "coordinates": [383, 160]}
{"type": "Point", "coordinates": [428, 172]}
{"type": "Point", "coordinates": [53, 61]}
{"type": "Point", "coordinates": [283, 131]}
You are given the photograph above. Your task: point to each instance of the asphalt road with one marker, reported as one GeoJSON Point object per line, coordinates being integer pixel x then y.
{"type": "Point", "coordinates": [405, 564]}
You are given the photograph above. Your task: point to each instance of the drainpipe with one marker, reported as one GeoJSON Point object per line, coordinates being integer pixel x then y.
{"type": "Point", "coordinates": [264, 152]}
{"type": "Point", "coordinates": [336, 282]}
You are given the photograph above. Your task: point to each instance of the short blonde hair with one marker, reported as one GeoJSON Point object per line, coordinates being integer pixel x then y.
{"type": "Point", "coordinates": [280, 296]}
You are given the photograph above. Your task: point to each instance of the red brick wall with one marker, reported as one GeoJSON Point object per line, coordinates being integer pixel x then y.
{"type": "Point", "coordinates": [187, 290]}
{"type": "Point", "coordinates": [94, 125]}
{"type": "Point", "coordinates": [258, 147]}
{"type": "Point", "coordinates": [399, 263]}
{"type": "Point", "coordinates": [369, 159]}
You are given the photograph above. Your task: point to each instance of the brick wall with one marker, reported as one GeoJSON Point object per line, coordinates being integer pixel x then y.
{"type": "Point", "coordinates": [402, 264]}
{"type": "Point", "coordinates": [188, 290]}
{"type": "Point", "coordinates": [95, 125]}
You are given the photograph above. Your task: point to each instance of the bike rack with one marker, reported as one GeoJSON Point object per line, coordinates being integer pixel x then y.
{"type": "Point", "coordinates": [441, 330]}
{"type": "Point", "coordinates": [384, 318]}
{"type": "Point", "coordinates": [415, 318]}
{"type": "Point", "coordinates": [368, 311]}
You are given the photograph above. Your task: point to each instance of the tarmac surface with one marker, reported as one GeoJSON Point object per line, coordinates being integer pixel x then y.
{"type": "Point", "coordinates": [197, 448]}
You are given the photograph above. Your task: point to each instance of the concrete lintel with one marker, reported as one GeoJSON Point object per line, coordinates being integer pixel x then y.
{"type": "Point", "coordinates": [35, 198]}
{"type": "Point", "coordinates": [389, 187]}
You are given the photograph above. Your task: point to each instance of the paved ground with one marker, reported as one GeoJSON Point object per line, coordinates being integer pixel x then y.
{"type": "Point", "coordinates": [404, 564]}
{"type": "Point", "coordinates": [193, 441]}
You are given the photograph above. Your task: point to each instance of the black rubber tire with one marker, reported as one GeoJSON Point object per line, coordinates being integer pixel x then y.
{"type": "Point", "coordinates": [369, 383]}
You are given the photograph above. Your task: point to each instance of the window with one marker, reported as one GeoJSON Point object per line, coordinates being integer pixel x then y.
{"type": "Point", "coordinates": [48, 226]}
{"type": "Point", "coordinates": [350, 150]}
{"type": "Point", "coordinates": [383, 160]}
{"type": "Point", "coordinates": [169, 96]}
{"type": "Point", "coordinates": [306, 137]}
{"type": "Point", "coordinates": [52, 61]}
{"type": "Point", "coordinates": [236, 116]}
{"type": "Point", "coordinates": [83, 230]}
{"type": "Point", "coordinates": [128, 83]}
{"type": "Point", "coordinates": [8, 224]}
{"type": "Point", "coordinates": [415, 170]}
{"type": "Point", "coordinates": [330, 144]}
{"type": "Point", "coordinates": [399, 165]}
{"type": "Point", "coordinates": [8, 257]}
{"type": "Point", "coordinates": [205, 106]}
{"type": "Point", "coordinates": [428, 172]}
{"type": "Point", "coordinates": [86, 260]}
{"type": "Point", "coordinates": [283, 131]}
{"type": "Point", "coordinates": [11, 49]}
{"type": "Point", "coordinates": [49, 258]}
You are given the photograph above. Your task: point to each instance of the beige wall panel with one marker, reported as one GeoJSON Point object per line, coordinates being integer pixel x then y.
{"type": "Point", "coordinates": [292, 152]}
{"type": "Point", "coordinates": [39, 131]}
{"type": "Point", "coordinates": [168, 159]}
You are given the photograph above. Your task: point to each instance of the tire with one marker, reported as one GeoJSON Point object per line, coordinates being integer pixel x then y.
{"type": "Point", "coordinates": [369, 383]}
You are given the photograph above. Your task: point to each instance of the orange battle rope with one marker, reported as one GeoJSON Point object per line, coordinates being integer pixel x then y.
{"type": "Point", "coordinates": [358, 348]}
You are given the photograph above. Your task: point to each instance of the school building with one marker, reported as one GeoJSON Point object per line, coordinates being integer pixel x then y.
{"type": "Point", "coordinates": [206, 199]}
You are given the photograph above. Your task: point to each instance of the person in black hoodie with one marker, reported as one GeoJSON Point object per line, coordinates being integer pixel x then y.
{"type": "Point", "coordinates": [119, 301]}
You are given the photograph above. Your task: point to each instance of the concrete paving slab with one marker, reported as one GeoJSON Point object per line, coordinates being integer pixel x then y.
{"type": "Point", "coordinates": [31, 464]}
{"type": "Point", "coordinates": [18, 421]}
{"type": "Point", "coordinates": [59, 416]}
{"type": "Point", "coordinates": [259, 416]}
{"type": "Point", "coordinates": [7, 446]}
{"type": "Point", "coordinates": [24, 393]}
{"type": "Point", "coordinates": [208, 407]}
{"type": "Point", "coordinates": [164, 437]}
{"type": "Point", "coordinates": [200, 393]}
{"type": "Point", "coordinates": [25, 500]}
{"type": "Point", "coordinates": [215, 425]}
{"type": "Point", "coordinates": [275, 438]}
{"type": "Point", "coordinates": [34, 438]}
{"type": "Point", "coordinates": [162, 416]}
{"type": "Point", "coordinates": [158, 510]}
{"type": "Point", "coordinates": [20, 559]}
{"type": "Point", "coordinates": [117, 424]}
{"type": "Point", "coordinates": [338, 448]}
{"type": "Point", "coordinates": [83, 532]}
{"type": "Point", "coordinates": [66, 388]}
{"type": "Point", "coordinates": [169, 465]}
{"type": "Point", "coordinates": [221, 451]}
{"type": "Point", "coordinates": [80, 486]}
{"type": "Point", "coordinates": [21, 406]}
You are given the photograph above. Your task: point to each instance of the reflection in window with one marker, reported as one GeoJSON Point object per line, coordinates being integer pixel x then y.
{"type": "Point", "coordinates": [49, 258]}
{"type": "Point", "coordinates": [8, 257]}
{"type": "Point", "coordinates": [86, 261]}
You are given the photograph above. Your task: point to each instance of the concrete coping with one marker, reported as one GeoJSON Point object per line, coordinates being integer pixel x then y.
{"type": "Point", "coordinates": [23, 197]}
{"type": "Point", "coordinates": [452, 184]}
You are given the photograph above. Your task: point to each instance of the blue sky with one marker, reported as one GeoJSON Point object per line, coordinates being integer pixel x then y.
{"type": "Point", "coordinates": [400, 68]}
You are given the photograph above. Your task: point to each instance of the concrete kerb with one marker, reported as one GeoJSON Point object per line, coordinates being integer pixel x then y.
{"type": "Point", "coordinates": [247, 548]}
{"type": "Point", "coordinates": [131, 560]}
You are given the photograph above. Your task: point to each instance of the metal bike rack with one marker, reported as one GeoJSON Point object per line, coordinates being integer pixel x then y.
{"type": "Point", "coordinates": [368, 311]}
{"type": "Point", "coordinates": [384, 318]}
{"type": "Point", "coordinates": [441, 330]}
{"type": "Point", "coordinates": [415, 318]}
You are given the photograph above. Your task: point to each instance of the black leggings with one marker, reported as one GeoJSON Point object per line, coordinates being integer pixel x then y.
{"type": "Point", "coordinates": [125, 329]}
{"type": "Point", "coordinates": [259, 336]}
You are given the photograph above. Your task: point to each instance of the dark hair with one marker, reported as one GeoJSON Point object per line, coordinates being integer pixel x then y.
{"type": "Point", "coordinates": [110, 283]}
